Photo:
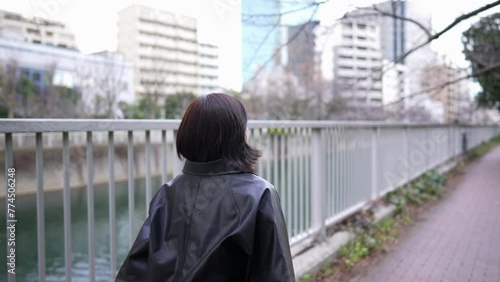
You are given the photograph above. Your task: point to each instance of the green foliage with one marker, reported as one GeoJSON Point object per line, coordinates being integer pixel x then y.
{"type": "Point", "coordinates": [371, 238]}
{"type": "Point", "coordinates": [481, 44]}
{"type": "Point", "coordinates": [144, 108]}
{"type": "Point", "coordinates": [397, 199]}
{"type": "Point", "coordinates": [26, 88]}
{"type": "Point", "coordinates": [485, 147]}
{"type": "Point", "coordinates": [306, 278]}
{"type": "Point", "coordinates": [4, 111]}
{"type": "Point", "coordinates": [277, 131]}
{"type": "Point", "coordinates": [66, 93]}
{"type": "Point", "coordinates": [176, 104]}
{"type": "Point", "coordinates": [368, 240]}
{"type": "Point", "coordinates": [429, 186]}
{"type": "Point", "coordinates": [327, 270]}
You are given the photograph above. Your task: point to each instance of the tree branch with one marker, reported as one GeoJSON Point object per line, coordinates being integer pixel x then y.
{"type": "Point", "coordinates": [281, 46]}
{"type": "Point", "coordinates": [309, 6]}
{"type": "Point", "coordinates": [443, 85]}
{"type": "Point", "coordinates": [446, 29]}
{"type": "Point", "coordinates": [393, 15]}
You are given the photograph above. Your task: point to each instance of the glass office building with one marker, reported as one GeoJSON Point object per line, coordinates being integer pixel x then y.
{"type": "Point", "coordinates": [261, 35]}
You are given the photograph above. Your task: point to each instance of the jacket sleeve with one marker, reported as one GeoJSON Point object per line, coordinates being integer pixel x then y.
{"type": "Point", "coordinates": [271, 259]}
{"type": "Point", "coordinates": [135, 266]}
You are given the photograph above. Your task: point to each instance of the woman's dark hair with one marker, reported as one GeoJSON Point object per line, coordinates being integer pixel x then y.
{"type": "Point", "coordinates": [214, 127]}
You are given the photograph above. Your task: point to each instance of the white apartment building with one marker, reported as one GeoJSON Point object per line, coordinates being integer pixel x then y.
{"type": "Point", "coordinates": [39, 31]}
{"type": "Point", "coordinates": [209, 68]}
{"type": "Point", "coordinates": [166, 53]}
{"type": "Point", "coordinates": [89, 75]}
{"type": "Point", "coordinates": [395, 87]}
{"type": "Point", "coordinates": [357, 62]}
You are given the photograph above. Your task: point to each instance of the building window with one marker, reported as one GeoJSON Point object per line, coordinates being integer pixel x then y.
{"type": "Point", "coordinates": [67, 36]}
{"type": "Point", "coordinates": [361, 48]}
{"type": "Point", "coordinates": [49, 33]}
{"type": "Point", "coordinates": [345, 67]}
{"type": "Point", "coordinates": [362, 38]}
{"type": "Point", "coordinates": [36, 76]}
{"type": "Point", "coordinates": [362, 26]}
{"type": "Point", "coordinates": [33, 31]}
{"type": "Point", "coordinates": [37, 41]}
{"type": "Point", "coordinates": [62, 45]}
{"type": "Point", "coordinates": [345, 57]}
{"type": "Point", "coordinates": [347, 25]}
{"type": "Point", "coordinates": [347, 36]}
{"type": "Point", "coordinates": [362, 58]}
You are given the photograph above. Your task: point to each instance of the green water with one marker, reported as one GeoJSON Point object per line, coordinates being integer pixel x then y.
{"type": "Point", "coordinates": [26, 230]}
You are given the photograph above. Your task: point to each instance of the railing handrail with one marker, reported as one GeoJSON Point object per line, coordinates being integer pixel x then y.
{"type": "Point", "coordinates": [74, 125]}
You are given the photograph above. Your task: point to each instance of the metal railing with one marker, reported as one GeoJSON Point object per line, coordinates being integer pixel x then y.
{"type": "Point", "coordinates": [323, 170]}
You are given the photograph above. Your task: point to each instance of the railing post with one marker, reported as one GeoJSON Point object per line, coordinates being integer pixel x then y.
{"type": "Point", "coordinates": [318, 182]}
{"type": "Point", "coordinates": [40, 207]}
{"type": "Point", "coordinates": [9, 163]}
{"type": "Point", "coordinates": [407, 155]}
{"type": "Point", "coordinates": [375, 137]}
{"type": "Point", "coordinates": [427, 152]}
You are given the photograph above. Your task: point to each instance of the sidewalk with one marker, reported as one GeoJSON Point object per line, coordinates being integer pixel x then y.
{"type": "Point", "coordinates": [457, 240]}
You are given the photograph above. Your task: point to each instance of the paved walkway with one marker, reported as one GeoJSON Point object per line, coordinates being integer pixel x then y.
{"type": "Point", "coordinates": [457, 240]}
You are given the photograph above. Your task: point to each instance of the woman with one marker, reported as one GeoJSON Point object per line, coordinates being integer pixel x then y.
{"type": "Point", "coordinates": [217, 221]}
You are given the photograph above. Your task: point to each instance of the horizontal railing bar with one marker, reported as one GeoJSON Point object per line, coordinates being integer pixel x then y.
{"type": "Point", "coordinates": [330, 123]}
{"type": "Point", "coordinates": [74, 125]}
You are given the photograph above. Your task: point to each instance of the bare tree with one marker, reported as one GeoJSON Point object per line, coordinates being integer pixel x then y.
{"type": "Point", "coordinates": [109, 83]}
{"type": "Point", "coordinates": [8, 85]}
{"type": "Point", "coordinates": [154, 87]}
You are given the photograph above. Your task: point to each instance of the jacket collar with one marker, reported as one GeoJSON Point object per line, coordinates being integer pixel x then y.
{"type": "Point", "coordinates": [217, 167]}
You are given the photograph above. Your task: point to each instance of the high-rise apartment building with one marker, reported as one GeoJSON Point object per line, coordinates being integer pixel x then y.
{"type": "Point", "coordinates": [395, 87]}
{"type": "Point", "coordinates": [357, 62]}
{"type": "Point", "coordinates": [454, 97]}
{"type": "Point", "coordinates": [209, 68]}
{"type": "Point", "coordinates": [39, 31]}
{"type": "Point", "coordinates": [345, 58]}
{"type": "Point", "coordinates": [165, 50]}
{"type": "Point", "coordinates": [261, 35]}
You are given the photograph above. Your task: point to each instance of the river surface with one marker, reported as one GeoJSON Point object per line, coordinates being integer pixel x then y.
{"type": "Point", "coordinates": [26, 230]}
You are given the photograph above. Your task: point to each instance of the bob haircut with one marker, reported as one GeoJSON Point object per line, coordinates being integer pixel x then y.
{"type": "Point", "coordinates": [214, 127]}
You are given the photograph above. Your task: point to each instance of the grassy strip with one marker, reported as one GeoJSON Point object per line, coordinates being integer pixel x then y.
{"type": "Point", "coordinates": [484, 148]}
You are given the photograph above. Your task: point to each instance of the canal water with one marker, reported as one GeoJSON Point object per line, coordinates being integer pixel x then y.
{"type": "Point", "coordinates": [26, 230]}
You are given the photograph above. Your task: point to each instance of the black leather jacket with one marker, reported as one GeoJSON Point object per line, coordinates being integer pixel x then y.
{"type": "Point", "coordinates": [212, 223]}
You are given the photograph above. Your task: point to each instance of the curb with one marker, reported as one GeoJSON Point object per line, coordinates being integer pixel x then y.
{"type": "Point", "coordinates": [311, 260]}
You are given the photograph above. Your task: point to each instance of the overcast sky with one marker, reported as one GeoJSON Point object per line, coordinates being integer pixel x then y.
{"type": "Point", "coordinates": [94, 23]}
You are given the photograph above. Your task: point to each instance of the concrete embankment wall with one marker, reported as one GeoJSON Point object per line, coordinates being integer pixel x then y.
{"type": "Point", "coordinates": [25, 160]}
